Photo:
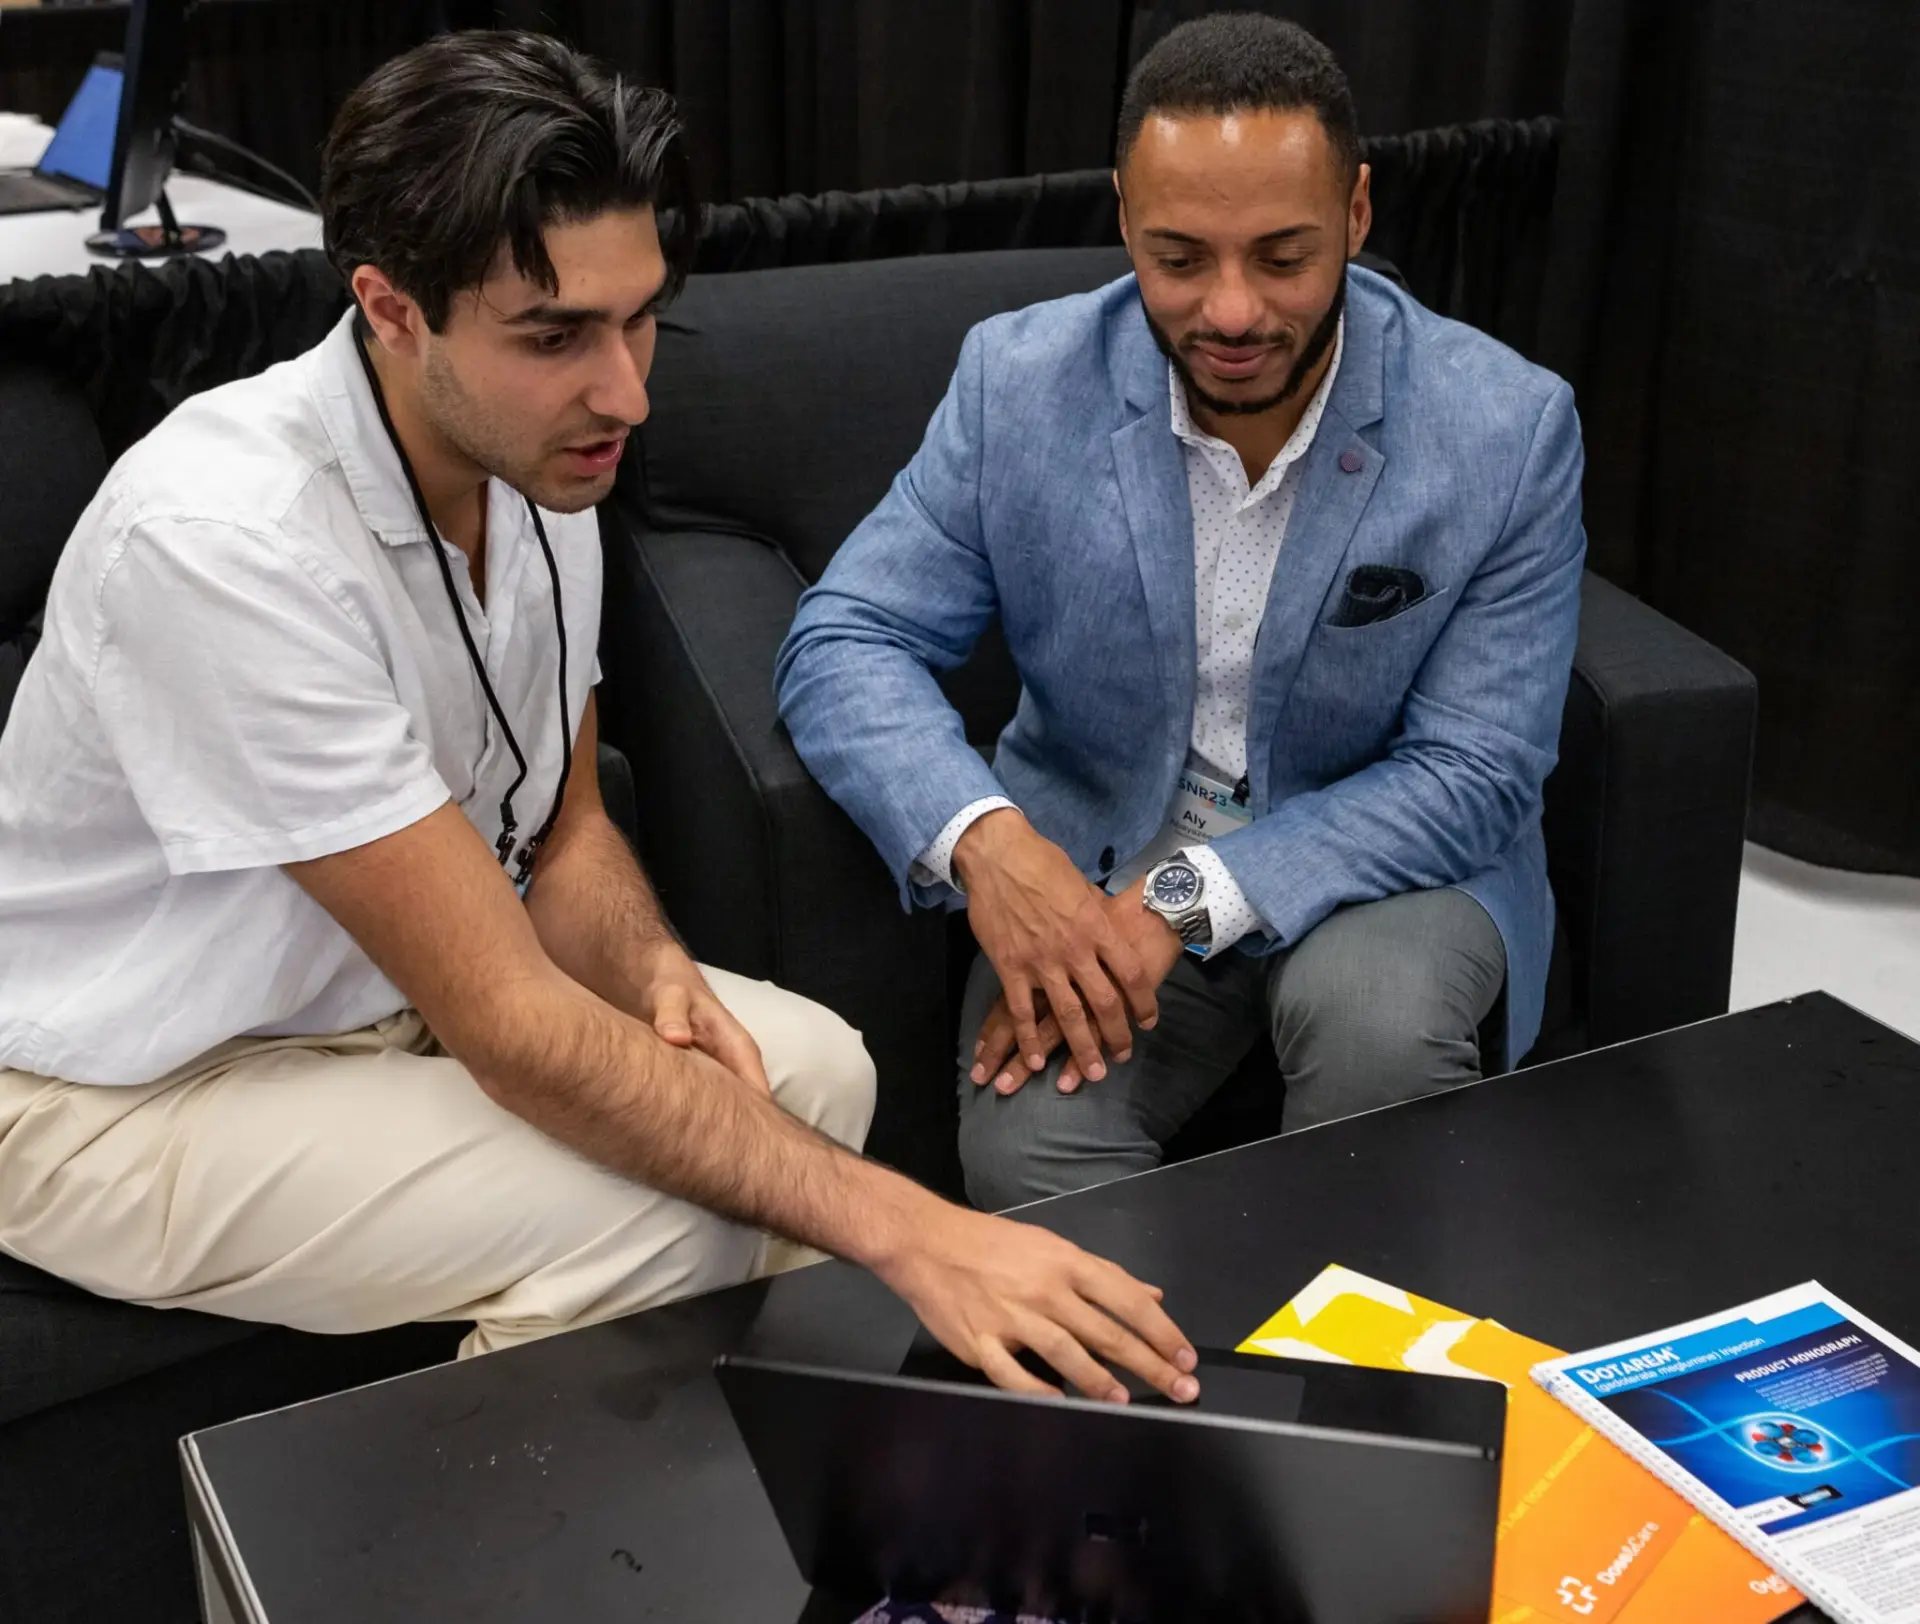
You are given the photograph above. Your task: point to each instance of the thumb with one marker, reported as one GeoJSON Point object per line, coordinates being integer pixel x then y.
{"type": "Point", "coordinates": [670, 1017]}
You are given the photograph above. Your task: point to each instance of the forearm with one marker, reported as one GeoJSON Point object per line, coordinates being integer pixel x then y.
{"type": "Point", "coordinates": [1424, 817]}
{"type": "Point", "coordinates": [870, 721]}
{"type": "Point", "coordinates": [674, 1119]}
{"type": "Point", "coordinates": [596, 914]}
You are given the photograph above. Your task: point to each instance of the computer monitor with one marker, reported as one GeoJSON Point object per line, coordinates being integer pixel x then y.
{"type": "Point", "coordinates": [156, 73]}
{"type": "Point", "coordinates": [82, 144]}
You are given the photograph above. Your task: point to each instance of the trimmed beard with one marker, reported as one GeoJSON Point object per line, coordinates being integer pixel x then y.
{"type": "Point", "coordinates": [1311, 354]}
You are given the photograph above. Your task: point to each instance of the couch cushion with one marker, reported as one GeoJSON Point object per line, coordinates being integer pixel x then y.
{"type": "Point", "coordinates": [51, 463]}
{"type": "Point", "coordinates": [785, 401]}
{"type": "Point", "coordinates": [58, 1342]}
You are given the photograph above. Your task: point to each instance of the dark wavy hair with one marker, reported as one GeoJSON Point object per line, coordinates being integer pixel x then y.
{"type": "Point", "coordinates": [485, 138]}
{"type": "Point", "coordinates": [1241, 62]}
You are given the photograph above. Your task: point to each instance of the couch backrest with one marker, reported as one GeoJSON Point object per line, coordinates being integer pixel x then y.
{"type": "Point", "coordinates": [51, 463]}
{"type": "Point", "coordinates": [785, 401]}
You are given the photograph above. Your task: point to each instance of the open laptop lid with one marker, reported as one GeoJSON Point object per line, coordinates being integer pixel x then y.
{"type": "Point", "coordinates": [82, 146]}
{"type": "Point", "coordinates": [1370, 1512]}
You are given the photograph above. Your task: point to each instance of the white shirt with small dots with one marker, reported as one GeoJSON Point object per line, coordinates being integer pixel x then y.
{"type": "Point", "coordinates": [1238, 531]}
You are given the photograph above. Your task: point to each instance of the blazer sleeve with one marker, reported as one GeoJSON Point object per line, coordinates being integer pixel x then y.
{"type": "Point", "coordinates": [1478, 734]}
{"type": "Point", "coordinates": [907, 594]}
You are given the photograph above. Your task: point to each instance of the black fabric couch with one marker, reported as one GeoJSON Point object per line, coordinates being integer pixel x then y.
{"type": "Point", "coordinates": [784, 402]}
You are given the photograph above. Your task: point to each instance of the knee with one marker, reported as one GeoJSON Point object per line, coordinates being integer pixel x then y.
{"type": "Point", "coordinates": [992, 1167]}
{"type": "Point", "coordinates": [825, 1076]}
{"type": "Point", "coordinates": [1392, 1025]}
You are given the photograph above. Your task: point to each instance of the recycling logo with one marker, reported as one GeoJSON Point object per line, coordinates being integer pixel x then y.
{"type": "Point", "coordinates": [1577, 1596]}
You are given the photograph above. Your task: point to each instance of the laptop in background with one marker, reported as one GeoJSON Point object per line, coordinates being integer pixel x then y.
{"type": "Point", "coordinates": [1294, 1491]}
{"type": "Point", "coordinates": [73, 171]}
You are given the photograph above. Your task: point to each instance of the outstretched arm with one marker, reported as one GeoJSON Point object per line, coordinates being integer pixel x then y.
{"type": "Point", "coordinates": [435, 912]}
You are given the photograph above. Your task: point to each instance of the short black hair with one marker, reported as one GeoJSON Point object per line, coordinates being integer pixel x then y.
{"type": "Point", "coordinates": [487, 137]}
{"type": "Point", "coordinates": [1240, 62]}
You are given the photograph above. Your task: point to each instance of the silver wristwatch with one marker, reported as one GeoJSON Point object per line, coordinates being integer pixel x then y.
{"type": "Point", "coordinates": [1176, 891]}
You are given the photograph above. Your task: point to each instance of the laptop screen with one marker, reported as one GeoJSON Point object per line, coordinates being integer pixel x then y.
{"type": "Point", "coordinates": [82, 148]}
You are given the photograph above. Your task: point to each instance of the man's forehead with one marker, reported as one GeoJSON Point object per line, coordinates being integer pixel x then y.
{"type": "Point", "coordinates": [604, 269]}
{"type": "Point", "coordinates": [1218, 155]}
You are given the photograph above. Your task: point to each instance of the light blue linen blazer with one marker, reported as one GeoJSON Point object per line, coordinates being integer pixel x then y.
{"type": "Point", "coordinates": [1050, 490]}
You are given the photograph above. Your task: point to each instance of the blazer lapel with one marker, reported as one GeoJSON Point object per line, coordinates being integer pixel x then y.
{"type": "Point", "coordinates": [1153, 489]}
{"type": "Point", "coordinates": [1336, 482]}
{"type": "Point", "coordinates": [1152, 475]}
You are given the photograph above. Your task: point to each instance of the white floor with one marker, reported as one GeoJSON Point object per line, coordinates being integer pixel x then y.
{"type": "Point", "coordinates": [1803, 928]}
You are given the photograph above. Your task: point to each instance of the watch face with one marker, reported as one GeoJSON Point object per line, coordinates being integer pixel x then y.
{"type": "Point", "coordinates": [1175, 885]}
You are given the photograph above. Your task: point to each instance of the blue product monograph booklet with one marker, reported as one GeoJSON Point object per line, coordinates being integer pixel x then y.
{"type": "Point", "coordinates": [1794, 1423]}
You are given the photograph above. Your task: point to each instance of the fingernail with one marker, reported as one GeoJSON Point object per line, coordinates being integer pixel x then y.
{"type": "Point", "coordinates": [1004, 1082]}
{"type": "Point", "coordinates": [1123, 1056]}
{"type": "Point", "coordinates": [1096, 1071]}
{"type": "Point", "coordinates": [1068, 1084]}
{"type": "Point", "coordinates": [978, 1074]}
{"type": "Point", "coordinates": [1186, 1389]}
{"type": "Point", "coordinates": [1149, 1023]}
{"type": "Point", "coordinates": [1036, 1062]}
{"type": "Point", "coordinates": [1186, 1359]}
{"type": "Point", "coordinates": [1117, 1394]}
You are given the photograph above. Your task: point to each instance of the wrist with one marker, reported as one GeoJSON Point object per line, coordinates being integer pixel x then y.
{"type": "Point", "coordinates": [895, 1217]}
{"type": "Point", "coordinates": [985, 842]}
{"type": "Point", "coordinates": [659, 952]}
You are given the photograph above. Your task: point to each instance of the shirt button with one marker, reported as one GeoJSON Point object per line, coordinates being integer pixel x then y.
{"type": "Point", "coordinates": [1234, 622]}
{"type": "Point", "coordinates": [1237, 714]}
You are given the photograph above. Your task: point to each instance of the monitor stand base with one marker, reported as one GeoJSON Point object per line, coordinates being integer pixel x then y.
{"type": "Point", "coordinates": [163, 241]}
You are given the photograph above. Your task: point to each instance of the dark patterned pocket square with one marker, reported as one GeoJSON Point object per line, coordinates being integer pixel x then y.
{"type": "Point", "coordinates": [1378, 592]}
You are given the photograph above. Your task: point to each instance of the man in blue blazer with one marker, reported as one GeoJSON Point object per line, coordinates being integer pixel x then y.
{"type": "Point", "coordinates": [1289, 567]}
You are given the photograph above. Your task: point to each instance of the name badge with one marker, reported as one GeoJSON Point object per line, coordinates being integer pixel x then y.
{"type": "Point", "coordinates": [1205, 810]}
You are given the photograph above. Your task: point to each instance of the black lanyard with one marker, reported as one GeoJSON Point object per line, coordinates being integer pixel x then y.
{"type": "Point", "coordinates": [509, 826]}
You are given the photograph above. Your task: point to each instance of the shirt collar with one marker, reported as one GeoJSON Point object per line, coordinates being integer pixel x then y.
{"type": "Point", "coordinates": [365, 453]}
{"type": "Point", "coordinates": [1188, 433]}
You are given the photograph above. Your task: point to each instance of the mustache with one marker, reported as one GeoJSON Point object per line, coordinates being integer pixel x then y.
{"type": "Point", "coordinates": [1238, 341]}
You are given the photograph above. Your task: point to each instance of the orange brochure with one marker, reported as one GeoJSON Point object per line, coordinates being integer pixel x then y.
{"type": "Point", "coordinates": [1586, 1535]}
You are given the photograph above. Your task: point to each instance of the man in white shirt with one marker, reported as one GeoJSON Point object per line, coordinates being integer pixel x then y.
{"type": "Point", "coordinates": [329, 994]}
{"type": "Point", "coordinates": [1289, 567]}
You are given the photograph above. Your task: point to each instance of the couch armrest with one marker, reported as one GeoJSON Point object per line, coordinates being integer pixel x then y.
{"type": "Point", "coordinates": [760, 872]}
{"type": "Point", "coordinates": [1646, 817]}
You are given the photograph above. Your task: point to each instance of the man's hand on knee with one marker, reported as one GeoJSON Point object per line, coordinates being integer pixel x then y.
{"type": "Point", "coordinates": [684, 1010]}
{"type": "Point", "coordinates": [989, 1288]}
{"type": "Point", "coordinates": [998, 1055]}
{"type": "Point", "coordinates": [1052, 939]}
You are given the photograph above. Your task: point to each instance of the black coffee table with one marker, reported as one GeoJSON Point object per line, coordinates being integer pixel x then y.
{"type": "Point", "coordinates": [596, 1476]}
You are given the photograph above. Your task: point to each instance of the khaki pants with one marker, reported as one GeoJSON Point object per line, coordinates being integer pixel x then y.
{"type": "Point", "coordinates": [348, 1182]}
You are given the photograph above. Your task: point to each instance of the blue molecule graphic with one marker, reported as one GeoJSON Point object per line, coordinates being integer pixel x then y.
{"type": "Point", "coordinates": [1781, 1441]}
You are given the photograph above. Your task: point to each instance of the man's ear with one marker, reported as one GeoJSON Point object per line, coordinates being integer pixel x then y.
{"type": "Point", "coordinates": [1360, 211]}
{"type": "Point", "coordinates": [397, 322]}
{"type": "Point", "coordinates": [1122, 196]}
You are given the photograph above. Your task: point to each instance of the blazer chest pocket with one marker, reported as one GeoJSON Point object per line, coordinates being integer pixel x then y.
{"type": "Point", "coordinates": [1413, 620]}
{"type": "Point", "coordinates": [1369, 667]}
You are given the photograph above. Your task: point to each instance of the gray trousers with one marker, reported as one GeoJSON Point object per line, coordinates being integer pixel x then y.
{"type": "Point", "coordinates": [1380, 1003]}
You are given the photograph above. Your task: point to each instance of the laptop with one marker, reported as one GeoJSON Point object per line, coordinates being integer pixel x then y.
{"type": "Point", "coordinates": [1294, 1493]}
{"type": "Point", "coordinates": [73, 171]}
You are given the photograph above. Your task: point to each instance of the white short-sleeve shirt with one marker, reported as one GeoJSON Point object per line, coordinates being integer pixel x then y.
{"type": "Point", "coordinates": [250, 660]}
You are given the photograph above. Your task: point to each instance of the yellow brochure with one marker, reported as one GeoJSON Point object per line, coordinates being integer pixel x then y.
{"type": "Point", "coordinates": [1585, 1534]}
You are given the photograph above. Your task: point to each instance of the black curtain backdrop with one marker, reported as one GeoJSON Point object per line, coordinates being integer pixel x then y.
{"type": "Point", "coordinates": [1736, 296]}
{"type": "Point", "coordinates": [1733, 282]}
{"type": "Point", "coordinates": [816, 95]}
